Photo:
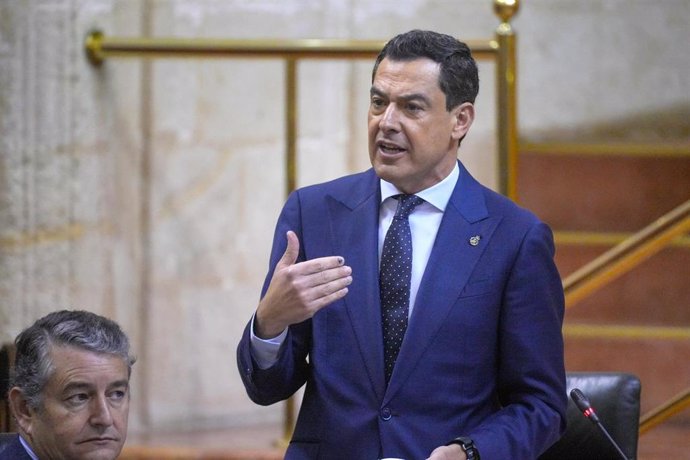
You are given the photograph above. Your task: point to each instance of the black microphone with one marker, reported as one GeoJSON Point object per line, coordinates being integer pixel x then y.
{"type": "Point", "coordinates": [583, 404]}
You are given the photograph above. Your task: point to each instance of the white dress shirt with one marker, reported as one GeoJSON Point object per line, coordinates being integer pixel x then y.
{"type": "Point", "coordinates": [424, 223]}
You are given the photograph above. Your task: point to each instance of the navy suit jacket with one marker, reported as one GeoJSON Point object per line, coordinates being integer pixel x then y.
{"type": "Point", "coordinates": [13, 449]}
{"type": "Point", "coordinates": [483, 353]}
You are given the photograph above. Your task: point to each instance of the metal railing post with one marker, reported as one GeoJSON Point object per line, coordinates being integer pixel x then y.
{"type": "Point", "coordinates": [506, 77]}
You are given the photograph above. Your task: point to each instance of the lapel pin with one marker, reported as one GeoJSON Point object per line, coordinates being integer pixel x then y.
{"type": "Point", "coordinates": [474, 241]}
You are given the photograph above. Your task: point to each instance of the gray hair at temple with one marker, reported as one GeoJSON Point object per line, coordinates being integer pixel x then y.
{"type": "Point", "coordinates": [81, 329]}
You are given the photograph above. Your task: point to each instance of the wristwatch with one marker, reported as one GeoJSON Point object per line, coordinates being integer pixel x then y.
{"type": "Point", "coordinates": [467, 445]}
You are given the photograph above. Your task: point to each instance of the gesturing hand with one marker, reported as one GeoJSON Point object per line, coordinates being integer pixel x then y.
{"type": "Point", "coordinates": [298, 291]}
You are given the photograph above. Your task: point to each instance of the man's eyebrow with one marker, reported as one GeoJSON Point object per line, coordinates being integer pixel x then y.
{"type": "Point", "coordinates": [416, 97]}
{"type": "Point", "coordinates": [405, 97]}
{"type": "Point", "coordinates": [73, 386]}
{"type": "Point", "coordinates": [119, 383]}
{"type": "Point", "coordinates": [374, 91]}
{"type": "Point", "coordinates": [85, 386]}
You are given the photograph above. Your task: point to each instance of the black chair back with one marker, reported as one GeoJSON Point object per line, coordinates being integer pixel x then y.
{"type": "Point", "coordinates": [615, 398]}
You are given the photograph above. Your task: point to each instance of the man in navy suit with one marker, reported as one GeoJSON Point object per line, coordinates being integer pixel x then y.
{"type": "Point", "coordinates": [480, 370]}
{"type": "Point", "coordinates": [70, 391]}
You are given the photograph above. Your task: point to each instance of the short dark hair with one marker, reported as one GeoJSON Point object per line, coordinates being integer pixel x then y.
{"type": "Point", "coordinates": [81, 329]}
{"type": "Point", "coordinates": [458, 78]}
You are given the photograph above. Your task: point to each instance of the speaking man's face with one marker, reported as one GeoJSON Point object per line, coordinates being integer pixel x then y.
{"type": "Point", "coordinates": [413, 139]}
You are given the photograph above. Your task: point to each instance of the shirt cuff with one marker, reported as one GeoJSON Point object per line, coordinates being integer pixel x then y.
{"type": "Point", "coordinates": [265, 351]}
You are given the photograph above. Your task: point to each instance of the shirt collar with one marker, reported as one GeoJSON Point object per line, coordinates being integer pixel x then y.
{"type": "Point", "coordinates": [437, 195]}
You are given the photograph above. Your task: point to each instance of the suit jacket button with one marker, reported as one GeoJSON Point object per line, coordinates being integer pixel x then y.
{"type": "Point", "coordinates": [386, 413]}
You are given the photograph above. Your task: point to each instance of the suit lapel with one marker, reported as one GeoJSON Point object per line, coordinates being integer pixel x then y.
{"type": "Point", "coordinates": [354, 213]}
{"type": "Point", "coordinates": [450, 265]}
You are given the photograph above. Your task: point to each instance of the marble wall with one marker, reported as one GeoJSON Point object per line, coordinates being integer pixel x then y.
{"type": "Point", "coordinates": [148, 190]}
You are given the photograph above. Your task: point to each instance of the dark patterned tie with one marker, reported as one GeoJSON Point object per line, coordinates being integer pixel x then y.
{"type": "Point", "coordinates": [394, 279]}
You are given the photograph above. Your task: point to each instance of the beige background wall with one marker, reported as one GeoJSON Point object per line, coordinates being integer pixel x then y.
{"type": "Point", "coordinates": [148, 191]}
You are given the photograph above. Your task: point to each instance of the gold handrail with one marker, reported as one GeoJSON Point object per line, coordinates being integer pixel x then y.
{"type": "Point", "coordinates": [99, 47]}
{"type": "Point", "coordinates": [667, 410]}
{"type": "Point", "coordinates": [606, 238]}
{"type": "Point", "coordinates": [626, 255]}
{"type": "Point", "coordinates": [506, 73]}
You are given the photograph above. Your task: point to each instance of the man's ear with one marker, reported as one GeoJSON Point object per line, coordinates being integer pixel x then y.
{"type": "Point", "coordinates": [19, 407]}
{"type": "Point", "coordinates": [463, 116]}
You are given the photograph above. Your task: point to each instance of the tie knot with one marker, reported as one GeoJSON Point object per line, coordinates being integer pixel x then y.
{"type": "Point", "coordinates": [406, 204]}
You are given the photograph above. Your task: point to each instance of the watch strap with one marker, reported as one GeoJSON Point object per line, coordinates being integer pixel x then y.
{"type": "Point", "coordinates": [467, 446]}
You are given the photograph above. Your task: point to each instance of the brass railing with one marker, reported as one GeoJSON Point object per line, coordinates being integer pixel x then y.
{"type": "Point", "coordinates": [100, 47]}
{"type": "Point", "coordinates": [626, 255]}
{"type": "Point", "coordinates": [667, 410]}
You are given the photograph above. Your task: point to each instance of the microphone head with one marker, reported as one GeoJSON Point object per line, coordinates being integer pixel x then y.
{"type": "Point", "coordinates": [579, 399]}
{"type": "Point", "coordinates": [583, 404]}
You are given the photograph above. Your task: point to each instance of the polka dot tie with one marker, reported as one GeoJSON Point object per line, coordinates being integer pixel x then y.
{"type": "Point", "coordinates": [394, 279]}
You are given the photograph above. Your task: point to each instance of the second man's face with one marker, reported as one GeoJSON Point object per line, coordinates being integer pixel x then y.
{"type": "Point", "coordinates": [413, 139]}
{"type": "Point", "coordinates": [85, 407]}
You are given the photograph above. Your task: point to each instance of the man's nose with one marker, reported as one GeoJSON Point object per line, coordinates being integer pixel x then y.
{"type": "Point", "coordinates": [100, 412]}
{"type": "Point", "coordinates": [390, 119]}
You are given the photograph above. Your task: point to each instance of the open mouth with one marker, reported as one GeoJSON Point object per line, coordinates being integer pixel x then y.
{"type": "Point", "coordinates": [390, 148]}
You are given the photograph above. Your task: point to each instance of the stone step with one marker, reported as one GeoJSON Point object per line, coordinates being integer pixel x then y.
{"type": "Point", "coordinates": [602, 193]}
{"type": "Point", "coordinates": [661, 365]}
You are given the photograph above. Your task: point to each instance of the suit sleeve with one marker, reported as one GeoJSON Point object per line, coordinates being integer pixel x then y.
{"type": "Point", "coordinates": [531, 374]}
{"type": "Point", "coordinates": [289, 373]}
